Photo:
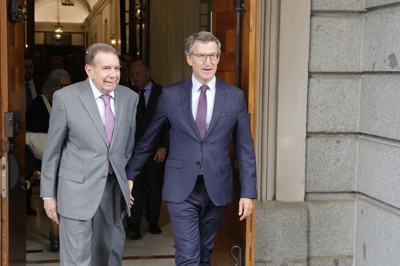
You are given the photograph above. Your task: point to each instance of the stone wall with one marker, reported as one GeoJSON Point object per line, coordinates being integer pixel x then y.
{"type": "Point", "coordinates": [351, 212]}
{"type": "Point", "coordinates": [353, 147]}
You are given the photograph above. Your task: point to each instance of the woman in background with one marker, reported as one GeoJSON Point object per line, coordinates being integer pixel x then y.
{"type": "Point", "coordinates": [37, 120]}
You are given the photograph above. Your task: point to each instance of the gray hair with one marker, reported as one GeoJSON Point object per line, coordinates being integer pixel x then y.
{"type": "Point", "coordinates": [98, 47]}
{"type": "Point", "coordinates": [54, 79]}
{"type": "Point", "coordinates": [202, 36]}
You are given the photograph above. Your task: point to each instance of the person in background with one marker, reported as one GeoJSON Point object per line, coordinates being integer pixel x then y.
{"type": "Point", "coordinates": [56, 62]}
{"type": "Point", "coordinates": [32, 88]}
{"type": "Point", "coordinates": [205, 115]}
{"type": "Point", "coordinates": [128, 60]}
{"type": "Point", "coordinates": [89, 142]}
{"type": "Point", "coordinates": [37, 121]}
{"type": "Point", "coordinates": [150, 178]}
{"type": "Point", "coordinates": [124, 72]}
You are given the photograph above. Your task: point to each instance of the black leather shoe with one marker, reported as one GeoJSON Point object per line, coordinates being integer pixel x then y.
{"type": "Point", "coordinates": [55, 244]}
{"type": "Point", "coordinates": [133, 233]}
{"type": "Point", "coordinates": [30, 211]}
{"type": "Point", "coordinates": [154, 229]}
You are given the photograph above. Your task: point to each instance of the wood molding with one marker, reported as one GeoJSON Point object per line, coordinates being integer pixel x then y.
{"type": "Point", "coordinates": [253, 110]}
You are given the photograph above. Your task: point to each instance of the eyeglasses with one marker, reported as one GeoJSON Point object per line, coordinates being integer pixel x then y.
{"type": "Point", "coordinates": [203, 57]}
{"type": "Point", "coordinates": [132, 74]}
{"type": "Point", "coordinates": [63, 85]}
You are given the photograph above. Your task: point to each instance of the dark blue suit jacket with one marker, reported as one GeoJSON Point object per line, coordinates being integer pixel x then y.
{"type": "Point", "coordinates": [229, 122]}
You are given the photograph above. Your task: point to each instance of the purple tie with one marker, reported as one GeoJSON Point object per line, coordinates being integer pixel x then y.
{"type": "Point", "coordinates": [109, 122]}
{"type": "Point", "coordinates": [202, 112]}
{"type": "Point", "coordinates": [201, 116]}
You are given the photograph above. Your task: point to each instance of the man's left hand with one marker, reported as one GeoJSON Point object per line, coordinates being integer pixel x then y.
{"type": "Point", "coordinates": [245, 208]}
{"type": "Point", "coordinates": [160, 155]}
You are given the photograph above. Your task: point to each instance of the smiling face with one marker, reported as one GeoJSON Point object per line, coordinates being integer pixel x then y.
{"type": "Point", "coordinates": [104, 72]}
{"type": "Point", "coordinates": [203, 71]}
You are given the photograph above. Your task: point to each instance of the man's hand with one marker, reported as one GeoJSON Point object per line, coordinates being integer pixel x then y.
{"type": "Point", "coordinates": [245, 208]}
{"type": "Point", "coordinates": [130, 184]}
{"type": "Point", "coordinates": [50, 205]}
{"type": "Point", "coordinates": [160, 155]}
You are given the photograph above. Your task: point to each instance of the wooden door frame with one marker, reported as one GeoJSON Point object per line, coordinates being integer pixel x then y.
{"type": "Point", "coordinates": [12, 99]}
{"type": "Point", "coordinates": [253, 109]}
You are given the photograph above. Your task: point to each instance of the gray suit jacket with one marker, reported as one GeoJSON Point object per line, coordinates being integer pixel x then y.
{"type": "Point", "coordinates": [76, 154]}
{"type": "Point", "coordinates": [229, 123]}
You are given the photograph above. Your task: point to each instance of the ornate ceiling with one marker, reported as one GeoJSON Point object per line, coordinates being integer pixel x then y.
{"type": "Point", "coordinates": [46, 11]}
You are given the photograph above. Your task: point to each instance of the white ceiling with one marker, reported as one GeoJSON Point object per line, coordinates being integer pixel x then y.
{"type": "Point", "coordinates": [46, 11]}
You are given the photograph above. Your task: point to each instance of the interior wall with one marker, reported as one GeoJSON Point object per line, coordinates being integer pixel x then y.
{"type": "Point", "coordinates": [171, 22]}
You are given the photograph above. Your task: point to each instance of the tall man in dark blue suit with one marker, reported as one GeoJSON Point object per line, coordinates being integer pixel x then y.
{"type": "Point", "coordinates": [205, 115]}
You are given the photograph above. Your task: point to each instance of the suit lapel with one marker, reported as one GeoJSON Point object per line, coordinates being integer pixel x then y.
{"type": "Point", "coordinates": [89, 103]}
{"type": "Point", "coordinates": [186, 99]}
{"type": "Point", "coordinates": [119, 105]}
{"type": "Point", "coordinates": [220, 96]}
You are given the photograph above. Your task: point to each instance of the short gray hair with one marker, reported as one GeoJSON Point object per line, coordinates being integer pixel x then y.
{"type": "Point", "coordinates": [202, 36]}
{"type": "Point", "coordinates": [98, 47]}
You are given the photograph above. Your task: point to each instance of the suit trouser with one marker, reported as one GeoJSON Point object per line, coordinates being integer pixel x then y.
{"type": "Point", "coordinates": [151, 176]}
{"type": "Point", "coordinates": [195, 222]}
{"type": "Point", "coordinates": [99, 241]}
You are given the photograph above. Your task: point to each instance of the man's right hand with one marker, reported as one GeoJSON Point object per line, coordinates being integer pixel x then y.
{"type": "Point", "coordinates": [50, 205]}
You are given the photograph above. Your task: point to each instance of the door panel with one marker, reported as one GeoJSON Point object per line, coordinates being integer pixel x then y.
{"type": "Point", "coordinates": [12, 91]}
{"type": "Point", "coordinates": [233, 232]}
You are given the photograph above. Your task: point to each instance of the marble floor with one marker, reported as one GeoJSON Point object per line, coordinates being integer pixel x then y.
{"type": "Point", "coordinates": [151, 250]}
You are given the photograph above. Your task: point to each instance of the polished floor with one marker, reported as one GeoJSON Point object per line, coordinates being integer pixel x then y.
{"type": "Point", "coordinates": [151, 250]}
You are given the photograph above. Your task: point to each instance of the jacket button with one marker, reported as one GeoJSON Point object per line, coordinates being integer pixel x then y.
{"type": "Point", "coordinates": [198, 163]}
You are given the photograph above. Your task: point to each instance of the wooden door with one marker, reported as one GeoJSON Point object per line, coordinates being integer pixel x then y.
{"type": "Point", "coordinates": [12, 99]}
{"type": "Point", "coordinates": [233, 232]}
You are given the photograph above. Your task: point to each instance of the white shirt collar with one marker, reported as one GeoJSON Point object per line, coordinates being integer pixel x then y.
{"type": "Point", "coordinates": [197, 84]}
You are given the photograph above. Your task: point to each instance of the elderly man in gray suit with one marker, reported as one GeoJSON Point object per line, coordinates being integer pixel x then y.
{"type": "Point", "coordinates": [90, 140]}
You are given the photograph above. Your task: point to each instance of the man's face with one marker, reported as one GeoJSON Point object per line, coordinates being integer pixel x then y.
{"type": "Point", "coordinates": [203, 71]}
{"type": "Point", "coordinates": [28, 69]}
{"type": "Point", "coordinates": [140, 76]}
{"type": "Point", "coordinates": [57, 64]}
{"type": "Point", "coordinates": [105, 72]}
{"type": "Point", "coordinates": [129, 60]}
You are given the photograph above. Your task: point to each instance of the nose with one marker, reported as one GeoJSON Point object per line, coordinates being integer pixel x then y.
{"type": "Point", "coordinates": [113, 72]}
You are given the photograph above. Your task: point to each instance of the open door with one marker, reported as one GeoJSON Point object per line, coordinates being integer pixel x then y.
{"type": "Point", "coordinates": [12, 102]}
{"type": "Point", "coordinates": [240, 71]}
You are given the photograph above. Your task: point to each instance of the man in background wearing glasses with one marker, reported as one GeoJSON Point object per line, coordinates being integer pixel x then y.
{"type": "Point", "coordinates": [205, 115]}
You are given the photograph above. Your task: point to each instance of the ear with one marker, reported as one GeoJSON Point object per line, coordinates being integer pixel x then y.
{"type": "Point", "coordinates": [189, 60]}
{"type": "Point", "coordinates": [88, 69]}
